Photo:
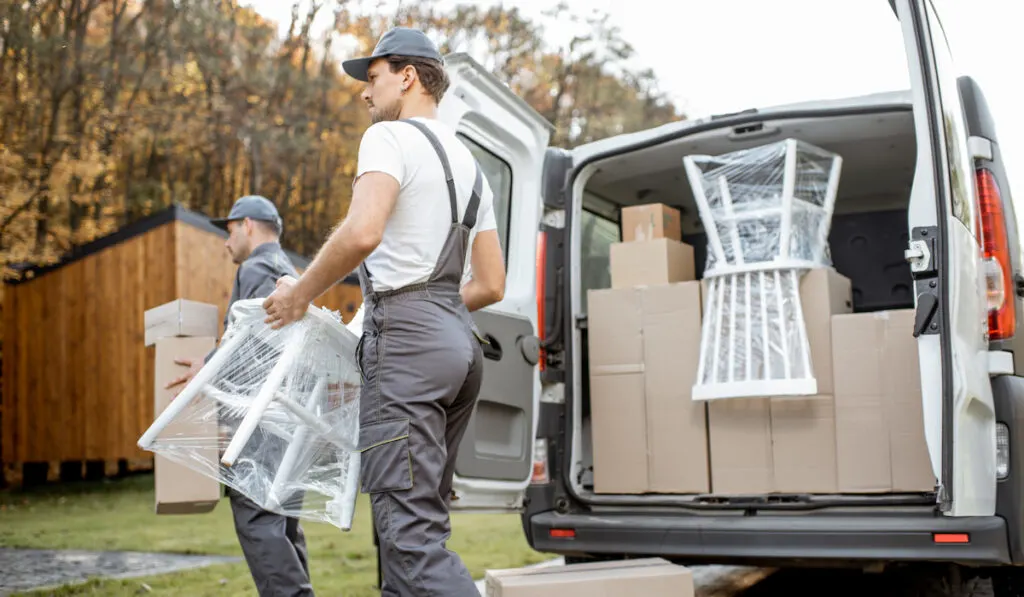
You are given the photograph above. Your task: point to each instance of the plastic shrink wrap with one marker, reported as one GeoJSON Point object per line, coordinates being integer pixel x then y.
{"type": "Point", "coordinates": [767, 212]}
{"type": "Point", "coordinates": [286, 405]}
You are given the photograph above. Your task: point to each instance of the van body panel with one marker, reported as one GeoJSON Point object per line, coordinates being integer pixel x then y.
{"type": "Point", "coordinates": [509, 140]}
{"type": "Point", "coordinates": [950, 287]}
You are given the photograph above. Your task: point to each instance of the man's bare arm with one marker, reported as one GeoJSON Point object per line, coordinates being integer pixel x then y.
{"type": "Point", "coordinates": [488, 284]}
{"type": "Point", "coordinates": [373, 199]}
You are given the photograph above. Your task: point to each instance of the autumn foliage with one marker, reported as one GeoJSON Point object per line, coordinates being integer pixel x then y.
{"type": "Point", "coordinates": [113, 109]}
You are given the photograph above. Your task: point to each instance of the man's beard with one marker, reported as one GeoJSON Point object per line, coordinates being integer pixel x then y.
{"type": "Point", "coordinates": [386, 113]}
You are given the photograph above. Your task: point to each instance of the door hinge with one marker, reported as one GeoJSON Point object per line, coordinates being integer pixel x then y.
{"type": "Point", "coordinates": [581, 322]}
{"type": "Point", "coordinates": [980, 148]}
{"type": "Point", "coordinates": [921, 255]}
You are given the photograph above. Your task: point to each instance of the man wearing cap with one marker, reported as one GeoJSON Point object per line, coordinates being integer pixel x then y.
{"type": "Point", "coordinates": [274, 545]}
{"type": "Point", "coordinates": [421, 230]}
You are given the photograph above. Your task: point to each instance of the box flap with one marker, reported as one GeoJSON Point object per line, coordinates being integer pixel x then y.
{"type": "Point", "coordinates": [181, 317]}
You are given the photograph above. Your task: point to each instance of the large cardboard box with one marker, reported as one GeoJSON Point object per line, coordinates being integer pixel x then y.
{"type": "Point", "coordinates": [804, 444]}
{"type": "Point", "coordinates": [677, 435]}
{"type": "Point", "coordinates": [618, 408]}
{"type": "Point", "coordinates": [651, 262]}
{"type": "Point", "coordinates": [880, 442]}
{"type": "Point", "coordinates": [650, 577]}
{"type": "Point", "coordinates": [182, 329]}
{"type": "Point", "coordinates": [650, 221]}
{"type": "Point", "coordinates": [741, 446]}
{"type": "Point", "coordinates": [649, 436]}
{"type": "Point", "coordinates": [785, 444]}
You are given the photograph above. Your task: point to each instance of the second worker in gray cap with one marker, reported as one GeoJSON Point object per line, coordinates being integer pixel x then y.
{"type": "Point", "coordinates": [274, 545]}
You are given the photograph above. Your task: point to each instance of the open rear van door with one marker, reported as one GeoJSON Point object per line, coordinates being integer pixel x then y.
{"type": "Point", "coordinates": [508, 139]}
{"type": "Point", "coordinates": [946, 261]}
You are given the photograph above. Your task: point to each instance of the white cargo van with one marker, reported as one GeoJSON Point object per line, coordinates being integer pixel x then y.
{"type": "Point", "coordinates": [923, 220]}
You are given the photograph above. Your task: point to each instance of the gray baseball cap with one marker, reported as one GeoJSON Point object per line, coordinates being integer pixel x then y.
{"type": "Point", "coordinates": [400, 41]}
{"type": "Point", "coordinates": [250, 206]}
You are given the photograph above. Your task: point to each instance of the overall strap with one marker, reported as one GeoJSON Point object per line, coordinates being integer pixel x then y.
{"type": "Point", "coordinates": [474, 201]}
{"type": "Point", "coordinates": [449, 178]}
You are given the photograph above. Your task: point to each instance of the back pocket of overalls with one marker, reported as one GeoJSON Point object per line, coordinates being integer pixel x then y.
{"type": "Point", "coordinates": [386, 464]}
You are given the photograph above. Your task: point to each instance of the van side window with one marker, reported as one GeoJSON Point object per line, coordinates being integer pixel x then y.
{"type": "Point", "coordinates": [961, 172]}
{"type": "Point", "coordinates": [499, 177]}
{"type": "Point", "coordinates": [598, 235]}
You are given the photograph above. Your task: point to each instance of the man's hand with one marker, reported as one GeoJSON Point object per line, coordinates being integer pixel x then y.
{"type": "Point", "coordinates": [284, 305]}
{"type": "Point", "coordinates": [194, 365]}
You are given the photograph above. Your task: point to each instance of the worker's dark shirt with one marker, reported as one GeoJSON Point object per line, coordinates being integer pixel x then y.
{"type": "Point", "coordinates": [257, 276]}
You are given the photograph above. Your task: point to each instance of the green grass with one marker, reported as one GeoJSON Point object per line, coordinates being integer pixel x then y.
{"type": "Point", "coordinates": [118, 515]}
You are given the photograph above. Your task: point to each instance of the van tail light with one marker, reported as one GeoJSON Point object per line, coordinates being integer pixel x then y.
{"type": "Point", "coordinates": [1002, 318]}
{"type": "Point", "coordinates": [1002, 451]}
{"type": "Point", "coordinates": [542, 259]}
{"type": "Point", "coordinates": [541, 475]}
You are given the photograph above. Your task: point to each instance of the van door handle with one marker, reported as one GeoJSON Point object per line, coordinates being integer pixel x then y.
{"type": "Point", "coordinates": [492, 350]}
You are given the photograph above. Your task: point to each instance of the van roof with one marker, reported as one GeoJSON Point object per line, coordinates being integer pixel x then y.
{"type": "Point", "coordinates": [899, 99]}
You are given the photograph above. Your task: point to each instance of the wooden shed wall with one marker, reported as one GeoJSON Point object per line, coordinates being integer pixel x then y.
{"type": "Point", "coordinates": [77, 378]}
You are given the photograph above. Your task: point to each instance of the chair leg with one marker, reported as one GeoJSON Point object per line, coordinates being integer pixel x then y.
{"type": "Point", "coordinates": [295, 447]}
{"type": "Point", "coordinates": [293, 347]}
{"type": "Point", "coordinates": [207, 373]}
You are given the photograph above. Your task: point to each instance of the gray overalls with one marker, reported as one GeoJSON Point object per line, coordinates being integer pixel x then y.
{"type": "Point", "coordinates": [274, 545]}
{"type": "Point", "coordinates": [422, 368]}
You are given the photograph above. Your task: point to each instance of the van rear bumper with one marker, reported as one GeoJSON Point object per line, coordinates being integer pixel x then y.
{"type": "Point", "coordinates": [769, 538]}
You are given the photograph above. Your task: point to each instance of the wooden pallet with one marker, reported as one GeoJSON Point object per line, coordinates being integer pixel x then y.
{"type": "Point", "coordinates": [17, 475]}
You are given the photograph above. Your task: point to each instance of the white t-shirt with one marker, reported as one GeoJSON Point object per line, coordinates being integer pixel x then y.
{"type": "Point", "coordinates": [419, 224]}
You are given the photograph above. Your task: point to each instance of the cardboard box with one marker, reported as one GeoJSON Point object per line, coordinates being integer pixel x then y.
{"type": "Point", "coordinates": [677, 434]}
{"type": "Point", "coordinates": [650, 577]}
{"type": "Point", "coordinates": [651, 262]}
{"type": "Point", "coordinates": [181, 317]}
{"type": "Point", "coordinates": [618, 409]}
{"type": "Point", "coordinates": [741, 446]}
{"type": "Point", "coordinates": [766, 444]}
{"type": "Point", "coordinates": [804, 444]}
{"type": "Point", "coordinates": [179, 489]}
{"type": "Point", "coordinates": [880, 442]}
{"type": "Point", "coordinates": [649, 436]}
{"type": "Point", "coordinates": [651, 221]}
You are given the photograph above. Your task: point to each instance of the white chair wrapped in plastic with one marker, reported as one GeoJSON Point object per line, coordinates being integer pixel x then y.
{"type": "Point", "coordinates": [287, 405]}
{"type": "Point", "coordinates": [767, 213]}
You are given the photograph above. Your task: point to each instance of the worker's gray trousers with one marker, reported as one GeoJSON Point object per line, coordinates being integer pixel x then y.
{"type": "Point", "coordinates": [422, 369]}
{"type": "Point", "coordinates": [274, 548]}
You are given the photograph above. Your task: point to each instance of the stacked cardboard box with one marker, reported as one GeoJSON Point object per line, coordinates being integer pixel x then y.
{"type": "Point", "coordinates": [880, 441]}
{"type": "Point", "coordinates": [861, 433]}
{"type": "Point", "coordinates": [644, 341]}
{"type": "Point", "coordinates": [182, 329]}
{"type": "Point", "coordinates": [785, 444]}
